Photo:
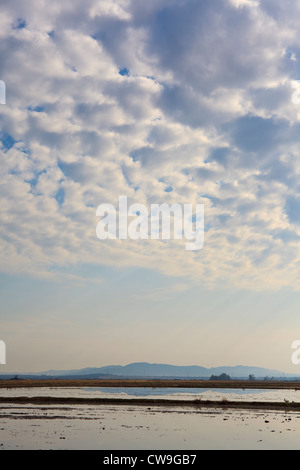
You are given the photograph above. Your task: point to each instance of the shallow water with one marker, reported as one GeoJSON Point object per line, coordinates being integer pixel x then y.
{"type": "Point", "coordinates": [180, 394]}
{"type": "Point", "coordinates": [134, 427]}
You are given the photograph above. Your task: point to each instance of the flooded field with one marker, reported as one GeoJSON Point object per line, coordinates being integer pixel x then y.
{"type": "Point", "coordinates": [131, 427]}
{"type": "Point", "coordinates": [150, 392]}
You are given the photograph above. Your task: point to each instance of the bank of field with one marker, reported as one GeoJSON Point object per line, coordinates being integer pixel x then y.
{"type": "Point", "coordinates": [154, 383]}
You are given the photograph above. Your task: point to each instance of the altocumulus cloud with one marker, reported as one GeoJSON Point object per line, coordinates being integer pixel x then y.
{"type": "Point", "coordinates": [163, 101]}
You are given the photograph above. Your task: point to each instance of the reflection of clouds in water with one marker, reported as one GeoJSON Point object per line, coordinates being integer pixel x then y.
{"type": "Point", "coordinates": [182, 393]}
{"type": "Point", "coordinates": [171, 391]}
{"type": "Point", "coordinates": [178, 393]}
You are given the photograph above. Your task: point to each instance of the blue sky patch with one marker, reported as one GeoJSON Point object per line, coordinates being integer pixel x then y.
{"type": "Point", "coordinates": [60, 196]}
{"type": "Point", "coordinates": [124, 72]}
{"type": "Point", "coordinates": [20, 23]}
{"type": "Point", "coordinates": [7, 141]}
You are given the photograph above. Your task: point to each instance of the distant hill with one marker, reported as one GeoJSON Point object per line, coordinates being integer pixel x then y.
{"type": "Point", "coordinates": [145, 369]}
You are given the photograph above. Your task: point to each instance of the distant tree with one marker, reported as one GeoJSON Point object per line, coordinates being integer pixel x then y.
{"type": "Point", "coordinates": [220, 377]}
{"type": "Point", "coordinates": [14, 378]}
{"type": "Point", "coordinates": [251, 377]}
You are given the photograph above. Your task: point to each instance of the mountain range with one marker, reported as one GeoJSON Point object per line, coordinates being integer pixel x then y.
{"type": "Point", "coordinates": [146, 370]}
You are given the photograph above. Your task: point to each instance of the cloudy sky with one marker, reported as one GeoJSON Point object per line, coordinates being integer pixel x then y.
{"type": "Point", "coordinates": [168, 101]}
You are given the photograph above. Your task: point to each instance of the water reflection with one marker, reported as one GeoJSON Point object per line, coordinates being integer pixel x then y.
{"type": "Point", "coordinates": [165, 393]}
{"type": "Point", "coordinates": [196, 393]}
{"type": "Point", "coordinates": [128, 426]}
{"type": "Point", "coordinates": [131, 427]}
{"type": "Point", "coordinates": [143, 392]}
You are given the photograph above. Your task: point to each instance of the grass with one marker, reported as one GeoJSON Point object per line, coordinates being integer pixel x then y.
{"type": "Point", "coordinates": [153, 383]}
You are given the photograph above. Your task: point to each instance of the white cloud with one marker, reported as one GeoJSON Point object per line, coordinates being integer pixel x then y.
{"type": "Point", "coordinates": [204, 109]}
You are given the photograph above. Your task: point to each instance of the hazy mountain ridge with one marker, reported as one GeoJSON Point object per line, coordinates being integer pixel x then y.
{"type": "Point", "coordinates": [144, 369]}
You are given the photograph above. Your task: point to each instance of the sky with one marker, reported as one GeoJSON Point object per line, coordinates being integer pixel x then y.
{"type": "Point", "coordinates": [165, 102]}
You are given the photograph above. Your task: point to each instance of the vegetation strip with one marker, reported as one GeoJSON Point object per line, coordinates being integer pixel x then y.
{"type": "Point", "coordinates": [153, 383]}
{"type": "Point", "coordinates": [286, 406]}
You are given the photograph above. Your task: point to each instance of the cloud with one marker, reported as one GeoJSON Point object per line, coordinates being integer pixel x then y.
{"type": "Point", "coordinates": [202, 114]}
